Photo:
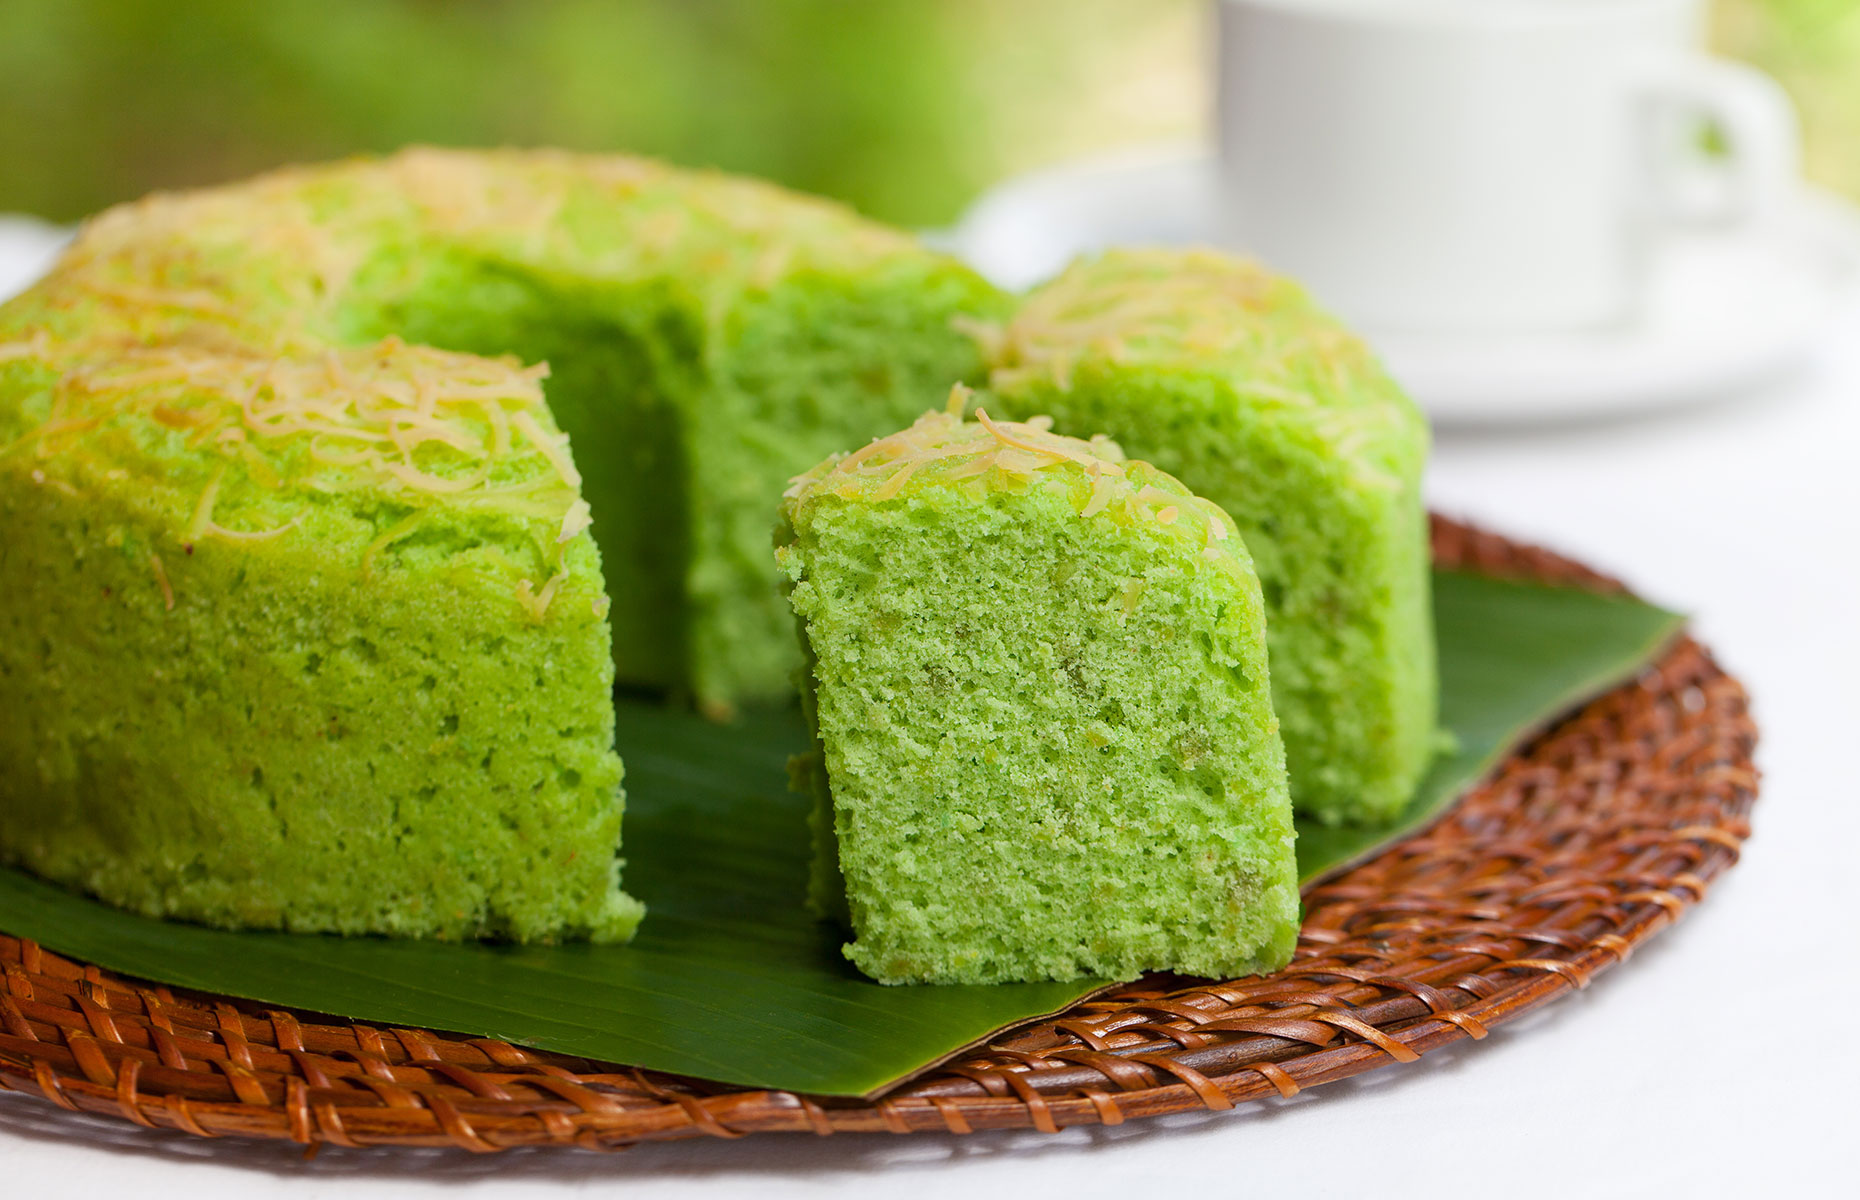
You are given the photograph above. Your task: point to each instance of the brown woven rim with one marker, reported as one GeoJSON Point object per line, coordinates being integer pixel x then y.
{"type": "Point", "coordinates": [1600, 833]}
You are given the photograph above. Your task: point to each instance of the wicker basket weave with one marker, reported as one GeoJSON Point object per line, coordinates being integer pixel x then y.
{"type": "Point", "coordinates": [1603, 831]}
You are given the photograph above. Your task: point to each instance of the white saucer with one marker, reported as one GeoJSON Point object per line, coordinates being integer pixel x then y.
{"type": "Point", "coordinates": [1724, 311]}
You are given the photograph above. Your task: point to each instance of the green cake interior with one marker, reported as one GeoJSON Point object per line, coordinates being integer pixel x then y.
{"type": "Point", "coordinates": [1231, 379]}
{"type": "Point", "coordinates": [1046, 741]}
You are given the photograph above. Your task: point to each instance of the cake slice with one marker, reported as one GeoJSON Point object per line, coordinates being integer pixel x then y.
{"type": "Point", "coordinates": [260, 667]}
{"type": "Point", "coordinates": [1038, 683]}
{"type": "Point", "coordinates": [1233, 380]}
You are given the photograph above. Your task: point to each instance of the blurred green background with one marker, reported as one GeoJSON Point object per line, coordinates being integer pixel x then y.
{"type": "Point", "coordinates": [905, 108]}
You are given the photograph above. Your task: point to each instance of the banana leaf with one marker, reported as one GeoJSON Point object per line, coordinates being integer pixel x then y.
{"type": "Point", "coordinates": [729, 979]}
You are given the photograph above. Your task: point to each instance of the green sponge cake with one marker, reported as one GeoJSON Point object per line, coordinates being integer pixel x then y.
{"type": "Point", "coordinates": [1231, 379]}
{"type": "Point", "coordinates": [304, 623]}
{"type": "Point", "coordinates": [1038, 681]}
{"type": "Point", "coordinates": [304, 644]}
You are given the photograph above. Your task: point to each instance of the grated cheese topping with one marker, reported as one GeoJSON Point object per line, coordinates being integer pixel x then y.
{"type": "Point", "coordinates": [161, 581]}
{"type": "Point", "coordinates": [941, 449]}
{"type": "Point", "coordinates": [1129, 306]}
{"type": "Point", "coordinates": [423, 427]}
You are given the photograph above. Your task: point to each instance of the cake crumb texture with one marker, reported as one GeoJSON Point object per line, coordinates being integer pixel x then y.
{"type": "Point", "coordinates": [1045, 737]}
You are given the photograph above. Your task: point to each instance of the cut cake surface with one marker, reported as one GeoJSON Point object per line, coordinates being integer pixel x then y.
{"type": "Point", "coordinates": [1038, 680]}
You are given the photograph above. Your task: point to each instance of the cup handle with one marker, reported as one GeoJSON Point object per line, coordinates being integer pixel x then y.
{"type": "Point", "coordinates": [1756, 175]}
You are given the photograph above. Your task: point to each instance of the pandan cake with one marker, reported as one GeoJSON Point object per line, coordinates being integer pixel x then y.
{"type": "Point", "coordinates": [1231, 379]}
{"type": "Point", "coordinates": [1038, 683]}
{"type": "Point", "coordinates": [304, 622]}
{"type": "Point", "coordinates": [308, 643]}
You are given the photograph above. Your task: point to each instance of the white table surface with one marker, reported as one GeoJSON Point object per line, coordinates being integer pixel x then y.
{"type": "Point", "coordinates": [1718, 1062]}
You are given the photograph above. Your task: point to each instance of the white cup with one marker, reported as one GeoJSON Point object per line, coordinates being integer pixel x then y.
{"type": "Point", "coordinates": [1467, 166]}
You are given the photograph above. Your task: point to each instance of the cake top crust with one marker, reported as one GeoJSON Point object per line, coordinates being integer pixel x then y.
{"type": "Point", "coordinates": [1204, 314]}
{"type": "Point", "coordinates": [194, 354]}
{"type": "Point", "coordinates": [941, 451]}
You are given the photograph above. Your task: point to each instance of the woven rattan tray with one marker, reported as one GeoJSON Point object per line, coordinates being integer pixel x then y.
{"type": "Point", "coordinates": [1598, 834]}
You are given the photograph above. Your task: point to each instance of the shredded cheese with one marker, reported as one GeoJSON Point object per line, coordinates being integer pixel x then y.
{"type": "Point", "coordinates": [553, 450]}
{"type": "Point", "coordinates": [161, 581]}
{"type": "Point", "coordinates": [252, 535]}
{"type": "Point", "coordinates": [388, 537]}
{"type": "Point", "coordinates": [942, 449]}
{"type": "Point", "coordinates": [32, 346]}
{"type": "Point", "coordinates": [1103, 489]}
{"type": "Point", "coordinates": [578, 517]}
{"type": "Point", "coordinates": [423, 426]}
{"type": "Point", "coordinates": [536, 602]}
{"type": "Point", "coordinates": [1126, 306]}
{"type": "Point", "coordinates": [895, 484]}
{"type": "Point", "coordinates": [203, 511]}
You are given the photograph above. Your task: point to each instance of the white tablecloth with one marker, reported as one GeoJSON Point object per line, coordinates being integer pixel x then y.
{"type": "Point", "coordinates": [1717, 1062]}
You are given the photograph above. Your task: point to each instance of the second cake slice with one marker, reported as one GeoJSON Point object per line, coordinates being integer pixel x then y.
{"type": "Point", "coordinates": [1038, 679]}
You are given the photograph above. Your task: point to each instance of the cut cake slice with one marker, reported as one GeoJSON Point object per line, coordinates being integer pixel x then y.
{"type": "Point", "coordinates": [1038, 683]}
{"type": "Point", "coordinates": [254, 689]}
